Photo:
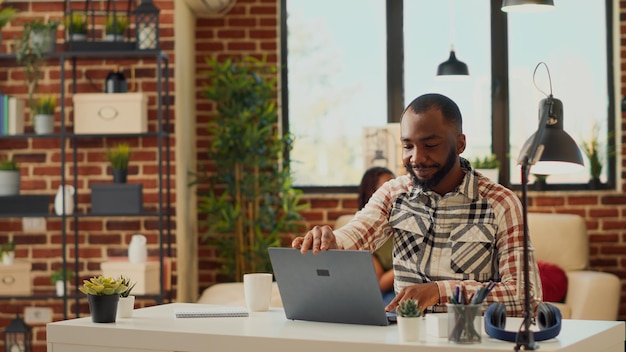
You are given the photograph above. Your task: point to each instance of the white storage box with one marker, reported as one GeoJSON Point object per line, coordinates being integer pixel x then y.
{"type": "Point", "coordinates": [15, 279]}
{"type": "Point", "coordinates": [146, 275]}
{"type": "Point", "coordinates": [110, 113]}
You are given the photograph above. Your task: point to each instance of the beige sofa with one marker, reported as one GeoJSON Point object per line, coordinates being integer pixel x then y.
{"type": "Point", "coordinates": [559, 239]}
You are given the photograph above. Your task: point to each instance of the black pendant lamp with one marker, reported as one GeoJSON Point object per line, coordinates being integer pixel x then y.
{"type": "Point", "coordinates": [452, 67]}
{"type": "Point", "coordinates": [527, 5]}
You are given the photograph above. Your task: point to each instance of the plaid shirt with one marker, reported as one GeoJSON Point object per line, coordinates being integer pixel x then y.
{"type": "Point", "coordinates": [471, 235]}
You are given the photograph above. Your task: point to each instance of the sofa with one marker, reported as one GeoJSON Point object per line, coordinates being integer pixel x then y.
{"type": "Point", "coordinates": [558, 239]}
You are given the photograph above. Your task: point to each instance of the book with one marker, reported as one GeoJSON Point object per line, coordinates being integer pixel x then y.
{"type": "Point", "coordinates": [16, 116]}
{"type": "Point", "coordinates": [211, 312]}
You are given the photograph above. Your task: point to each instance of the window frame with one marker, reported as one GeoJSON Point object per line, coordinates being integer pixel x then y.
{"type": "Point", "coordinates": [499, 90]}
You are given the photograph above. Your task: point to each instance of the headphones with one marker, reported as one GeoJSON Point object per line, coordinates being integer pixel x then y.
{"type": "Point", "coordinates": [548, 320]}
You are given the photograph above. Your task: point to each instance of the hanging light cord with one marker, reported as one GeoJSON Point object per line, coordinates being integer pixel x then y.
{"type": "Point", "coordinates": [549, 79]}
{"type": "Point", "coordinates": [451, 11]}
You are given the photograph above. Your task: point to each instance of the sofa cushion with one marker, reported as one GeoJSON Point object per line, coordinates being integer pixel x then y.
{"type": "Point", "coordinates": [553, 282]}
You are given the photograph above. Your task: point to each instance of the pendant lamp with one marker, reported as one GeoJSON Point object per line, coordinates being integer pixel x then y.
{"type": "Point", "coordinates": [452, 67]}
{"type": "Point", "coordinates": [527, 5]}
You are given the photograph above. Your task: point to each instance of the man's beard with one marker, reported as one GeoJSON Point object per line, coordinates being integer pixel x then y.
{"type": "Point", "coordinates": [432, 182]}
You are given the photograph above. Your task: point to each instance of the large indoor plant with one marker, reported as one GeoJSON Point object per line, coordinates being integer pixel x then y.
{"type": "Point", "coordinates": [250, 201]}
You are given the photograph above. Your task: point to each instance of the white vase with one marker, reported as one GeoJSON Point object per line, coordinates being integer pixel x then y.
{"type": "Point", "coordinates": [60, 287]}
{"type": "Point", "coordinates": [9, 183]}
{"type": "Point", "coordinates": [411, 329]}
{"type": "Point", "coordinates": [8, 258]}
{"type": "Point", "coordinates": [137, 249]}
{"type": "Point", "coordinates": [64, 193]}
{"type": "Point", "coordinates": [44, 124]}
{"type": "Point", "coordinates": [125, 307]}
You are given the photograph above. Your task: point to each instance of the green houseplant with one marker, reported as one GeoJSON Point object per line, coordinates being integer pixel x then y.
{"type": "Point", "coordinates": [119, 157]}
{"type": "Point", "coordinates": [115, 26]}
{"type": "Point", "coordinates": [76, 26]}
{"type": "Point", "coordinates": [592, 147]}
{"type": "Point", "coordinates": [9, 177]}
{"type": "Point", "coordinates": [127, 302]}
{"type": "Point", "coordinates": [6, 15]}
{"type": "Point", "coordinates": [103, 294]}
{"type": "Point", "coordinates": [250, 201]}
{"type": "Point", "coordinates": [59, 278]}
{"type": "Point", "coordinates": [409, 318]}
{"type": "Point", "coordinates": [488, 165]}
{"type": "Point", "coordinates": [8, 252]}
{"type": "Point", "coordinates": [43, 111]}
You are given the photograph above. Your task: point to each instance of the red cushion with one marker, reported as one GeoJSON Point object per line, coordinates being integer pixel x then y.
{"type": "Point", "coordinates": [553, 282]}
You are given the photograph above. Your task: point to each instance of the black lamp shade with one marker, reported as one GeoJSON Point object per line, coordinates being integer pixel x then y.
{"type": "Point", "coordinates": [527, 5]}
{"type": "Point", "coordinates": [560, 152]}
{"type": "Point", "coordinates": [452, 67]}
{"type": "Point", "coordinates": [147, 26]}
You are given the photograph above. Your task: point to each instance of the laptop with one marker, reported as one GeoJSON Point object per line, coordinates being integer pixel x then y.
{"type": "Point", "coordinates": [334, 286]}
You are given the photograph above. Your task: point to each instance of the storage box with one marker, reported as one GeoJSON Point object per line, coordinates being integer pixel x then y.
{"type": "Point", "coordinates": [27, 204]}
{"type": "Point", "coordinates": [146, 275]}
{"type": "Point", "coordinates": [15, 279]}
{"type": "Point", "coordinates": [116, 198]}
{"type": "Point", "coordinates": [98, 113]}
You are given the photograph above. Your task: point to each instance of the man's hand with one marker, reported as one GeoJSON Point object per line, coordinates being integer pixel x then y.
{"type": "Point", "coordinates": [426, 294]}
{"type": "Point", "coordinates": [320, 238]}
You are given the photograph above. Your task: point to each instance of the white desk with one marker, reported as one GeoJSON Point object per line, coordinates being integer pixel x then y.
{"type": "Point", "coordinates": [156, 329]}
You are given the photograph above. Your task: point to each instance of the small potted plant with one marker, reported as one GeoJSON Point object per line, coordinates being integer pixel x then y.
{"type": "Point", "coordinates": [127, 302]}
{"type": "Point", "coordinates": [115, 27]}
{"type": "Point", "coordinates": [9, 178]}
{"type": "Point", "coordinates": [103, 294]}
{"type": "Point", "coordinates": [119, 156]}
{"type": "Point", "coordinates": [43, 111]}
{"type": "Point", "coordinates": [59, 278]}
{"type": "Point", "coordinates": [76, 26]}
{"type": "Point", "coordinates": [8, 252]}
{"type": "Point", "coordinates": [488, 166]}
{"type": "Point", "coordinates": [410, 319]}
{"type": "Point", "coordinates": [593, 150]}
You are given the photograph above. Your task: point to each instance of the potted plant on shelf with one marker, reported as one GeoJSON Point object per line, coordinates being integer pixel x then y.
{"type": "Point", "coordinates": [59, 278]}
{"type": "Point", "coordinates": [127, 301]}
{"type": "Point", "coordinates": [410, 319]}
{"type": "Point", "coordinates": [6, 15]}
{"type": "Point", "coordinates": [250, 202]}
{"type": "Point", "coordinates": [9, 178]}
{"type": "Point", "coordinates": [43, 111]}
{"type": "Point", "coordinates": [593, 150]}
{"type": "Point", "coordinates": [76, 26]}
{"type": "Point", "coordinates": [115, 27]}
{"type": "Point", "coordinates": [103, 294]}
{"type": "Point", "coordinates": [119, 156]}
{"type": "Point", "coordinates": [488, 166]}
{"type": "Point", "coordinates": [8, 252]}
{"type": "Point", "coordinates": [38, 39]}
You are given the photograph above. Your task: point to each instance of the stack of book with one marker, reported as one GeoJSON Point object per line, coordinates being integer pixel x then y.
{"type": "Point", "coordinates": [12, 115]}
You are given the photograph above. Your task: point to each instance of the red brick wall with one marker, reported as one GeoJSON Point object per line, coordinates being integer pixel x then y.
{"type": "Point", "coordinates": [252, 28]}
{"type": "Point", "coordinates": [40, 159]}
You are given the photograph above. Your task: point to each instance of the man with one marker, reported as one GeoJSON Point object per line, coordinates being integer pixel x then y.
{"type": "Point", "coordinates": [450, 225]}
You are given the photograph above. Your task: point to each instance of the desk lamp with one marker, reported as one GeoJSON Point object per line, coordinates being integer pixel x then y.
{"type": "Point", "coordinates": [550, 150]}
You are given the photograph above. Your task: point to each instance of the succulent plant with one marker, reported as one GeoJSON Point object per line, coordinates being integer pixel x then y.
{"type": "Point", "coordinates": [409, 308]}
{"type": "Point", "coordinates": [129, 286]}
{"type": "Point", "coordinates": [102, 286]}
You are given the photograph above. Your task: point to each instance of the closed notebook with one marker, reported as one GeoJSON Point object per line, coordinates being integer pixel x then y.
{"type": "Point", "coordinates": [211, 312]}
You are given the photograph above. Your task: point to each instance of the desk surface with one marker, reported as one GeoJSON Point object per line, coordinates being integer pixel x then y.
{"type": "Point", "coordinates": [156, 329]}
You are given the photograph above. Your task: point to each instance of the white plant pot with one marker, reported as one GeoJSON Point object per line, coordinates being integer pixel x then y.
{"type": "Point", "coordinates": [44, 41]}
{"type": "Point", "coordinates": [9, 183]}
{"type": "Point", "coordinates": [77, 37]}
{"type": "Point", "coordinates": [44, 124]}
{"type": "Point", "coordinates": [8, 258]}
{"type": "Point", "coordinates": [60, 287]}
{"type": "Point", "coordinates": [411, 329]}
{"type": "Point", "coordinates": [125, 307]}
{"type": "Point", "coordinates": [114, 37]}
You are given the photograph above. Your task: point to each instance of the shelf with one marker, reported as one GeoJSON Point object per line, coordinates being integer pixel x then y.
{"type": "Point", "coordinates": [97, 55]}
{"type": "Point", "coordinates": [42, 215]}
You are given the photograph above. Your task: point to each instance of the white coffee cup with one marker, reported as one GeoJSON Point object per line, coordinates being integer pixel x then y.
{"type": "Point", "coordinates": [257, 289]}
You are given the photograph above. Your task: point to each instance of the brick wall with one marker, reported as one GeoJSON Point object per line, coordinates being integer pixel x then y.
{"type": "Point", "coordinates": [251, 28]}
{"type": "Point", "coordinates": [99, 238]}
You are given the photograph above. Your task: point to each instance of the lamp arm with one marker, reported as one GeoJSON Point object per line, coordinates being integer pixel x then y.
{"type": "Point", "coordinates": [530, 155]}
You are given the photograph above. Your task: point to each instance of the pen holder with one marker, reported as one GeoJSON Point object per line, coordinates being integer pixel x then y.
{"type": "Point", "coordinates": [464, 323]}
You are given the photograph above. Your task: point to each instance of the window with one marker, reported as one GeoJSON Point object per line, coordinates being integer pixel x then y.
{"type": "Point", "coordinates": [337, 83]}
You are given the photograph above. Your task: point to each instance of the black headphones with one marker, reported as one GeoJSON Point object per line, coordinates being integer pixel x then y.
{"type": "Point", "coordinates": [548, 320]}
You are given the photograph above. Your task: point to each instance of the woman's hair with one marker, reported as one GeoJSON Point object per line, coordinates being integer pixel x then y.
{"type": "Point", "coordinates": [369, 183]}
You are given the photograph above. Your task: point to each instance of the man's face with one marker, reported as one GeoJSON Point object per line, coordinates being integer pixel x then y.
{"type": "Point", "coordinates": [430, 147]}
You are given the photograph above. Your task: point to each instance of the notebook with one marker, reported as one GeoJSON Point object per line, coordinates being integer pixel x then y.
{"type": "Point", "coordinates": [335, 286]}
{"type": "Point", "coordinates": [211, 312]}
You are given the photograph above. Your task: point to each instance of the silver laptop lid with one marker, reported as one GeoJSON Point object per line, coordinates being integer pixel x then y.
{"type": "Point", "coordinates": [336, 286]}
